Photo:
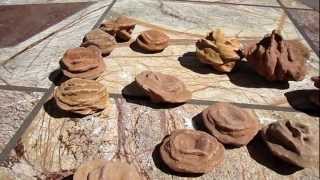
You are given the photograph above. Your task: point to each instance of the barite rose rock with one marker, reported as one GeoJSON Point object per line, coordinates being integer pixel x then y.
{"type": "Point", "coordinates": [230, 124]}
{"type": "Point", "coordinates": [81, 96]}
{"type": "Point", "coordinates": [104, 41]}
{"type": "Point", "coordinates": [293, 142]}
{"type": "Point", "coordinates": [81, 62]}
{"type": "Point", "coordinates": [218, 51]}
{"type": "Point", "coordinates": [191, 151]}
{"type": "Point", "coordinates": [153, 40]}
{"type": "Point", "coordinates": [105, 170]}
{"type": "Point", "coordinates": [277, 59]}
{"type": "Point", "coordinates": [315, 96]}
{"type": "Point", "coordinates": [163, 88]}
{"type": "Point", "coordinates": [121, 28]}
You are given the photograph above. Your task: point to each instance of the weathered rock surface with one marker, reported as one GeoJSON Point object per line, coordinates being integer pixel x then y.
{"type": "Point", "coordinates": [153, 40]}
{"type": "Point", "coordinates": [121, 28]}
{"type": "Point", "coordinates": [218, 51]}
{"type": "Point", "coordinates": [81, 96]}
{"type": "Point", "coordinates": [230, 124]}
{"type": "Point", "coordinates": [163, 88]}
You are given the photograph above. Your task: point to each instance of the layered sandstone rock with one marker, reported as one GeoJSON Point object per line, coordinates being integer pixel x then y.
{"type": "Point", "coordinates": [153, 40]}
{"type": "Point", "coordinates": [121, 28]}
{"type": "Point", "coordinates": [191, 151]}
{"type": "Point", "coordinates": [293, 142]}
{"type": "Point", "coordinates": [230, 124]}
{"type": "Point", "coordinates": [104, 41]}
{"type": "Point", "coordinates": [105, 170]}
{"type": "Point", "coordinates": [81, 62]}
{"type": "Point", "coordinates": [277, 59]}
{"type": "Point", "coordinates": [218, 51]}
{"type": "Point", "coordinates": [163, 88]}
{"type": "Point", "coordinates": [81, 96]}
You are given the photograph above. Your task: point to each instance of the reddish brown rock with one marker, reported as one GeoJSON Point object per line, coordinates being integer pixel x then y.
{"type": "Point", "coordinates": [81, 62]}
{"type": "Point", "coordinates": [293, 142]}
{"type": "Point", "coordinates": [163, 88]}
{"type": "Point", "coordinates": [315, 96]}
{"type": "Point", "coordinates": [104, 41]}
{"type": "Point", "coordinates": [121, 28]}
{"type": "Point", "coordinates": [81, 96]}
{"type": "Point", "coordinates": [191, 151]}
{"type": "Point", "coordinates": [218, 51]}
{"type": "Point", "coordinates": [230, 124]}
{"type": "Point", "coordinates": [105, 170]}
{"type": "Point", "coordinates": [277, 59]}
{"type": "Point", "coordinates": [153, 40]}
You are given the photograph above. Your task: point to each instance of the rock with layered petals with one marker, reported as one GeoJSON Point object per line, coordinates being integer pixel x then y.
{"type": "Point", "coordinates": [105, 170]}
{"type": "Point", "coordinates": [293, 142]}
{"type": "Point", "coordinates": [218, 51]}
{"type": "Point", "coordinates": [153, 40]}
{"type": "Point", "coordinates": [230, 124]}
{"type": "Point", "coordinates": [81, 62]}
{"type": "Point", "coordinates": [277, 59]}
{"type": "Point", "coordinates": [81, 96]}
{"type": "Point", "coordinates": [104, 41]}
{"type": "Point", "coordinates": [191, 151]}
{"type": "Point", "coordinates": [163, 88]}
{"type": "Point", "coordinates": [121, 28]}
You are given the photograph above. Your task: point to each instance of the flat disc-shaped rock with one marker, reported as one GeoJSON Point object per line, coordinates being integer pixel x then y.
{"type": "Point", "coordinates": [153, 40]}
{"type": "Point", "coordinates": [105, 170]}
{"type": "Point", "coordinates": [81, 96]}
{"type": "Point", "coordinates": [121, 28]}
{"type": "Point", "coordinates": [230, 124]}
{"type": "Point", "coordinates": [163, 88]}
{"type": "Point", "coordinates": [191, 151]}
{"type": "Point", "coordinates": [81, 62]}
{"type": "Point", "coordinates": [293, 142]}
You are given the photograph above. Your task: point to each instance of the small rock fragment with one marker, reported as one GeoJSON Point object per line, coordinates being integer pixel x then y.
{"type": "Point", "coordinates": [163, 88]}
{"type": "Point", "coordinates": [81, 96]}
{"type": "Point", "coordinates": [105, 170]}
{"type": "Point", "coordinates": [191, 151]}
{"type": "Point", "coordinates": [230, 124]}
{"type": "Point", "coordinates": [104, 41]}
{"type": "Point", "coordinates": [153, 40]}
{"type": "Point", "coordinates": [315, 97]}
{"type": "Point", "coordinates": [81, 62]}
{"type": "Point", "coordinates": [292, 142]}
{"type": "Point", "coordinates": [218, 51]}
{"type": "Point", "coordinates": [277, 59]}
{"type": "Point", "coordinates": [121, 28]}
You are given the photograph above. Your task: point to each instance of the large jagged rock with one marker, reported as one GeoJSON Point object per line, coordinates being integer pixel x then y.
{"type": "Point", "coordinates": [105, 170]}
{"type": "Point", "coordinates": [81, 62]}
{"type": "Point", "coordinates": [153, 40]}
{"type": "Point", "coordinates": [315, 96]}
{"type": "Point", "coordinates": [293, 142]}
{"type": "Point", "coordinates": [191, 151]}
{"type": "Point", "coordinates": [277, 59]}
{"type": "Point", "coordinates": [163, 88]}
{"type": "Point", "coordinates": [121, 28]}
{"type": "Point", "coordinates": [230, 124]}
{"type": "Point", "coordinates": [218, 51]}
{"type": "Point", "coordinates": [81, 96]}
{"type": "Point", "coordinates": [104, 41]}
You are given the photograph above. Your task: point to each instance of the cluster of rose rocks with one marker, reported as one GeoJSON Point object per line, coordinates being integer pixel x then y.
{"type": "Point", "coordinates": [187, 150]}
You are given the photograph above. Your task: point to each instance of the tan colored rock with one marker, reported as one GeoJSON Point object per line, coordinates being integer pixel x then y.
{"type": "Point", "coordinates": [81, 62]}
{"type": "Point", "coordinates": [218, 51]}
{"type": "Point", "coordinates": [121, 28]}
{"type": "Point", "coordinates": [153, 40]}
{"type": "Point", "coordinates": [104, 41]}
{"type": "Point", "coordinates": [163, 88]}
{"type": "Point", "coordinates": [293, 142]}
{"type": "Point", "coordinates": [191, 151]}
{"type": "Point", "coordinates": [277, 59]}
{"type": "Point", "coordinates": [105, 170]}
{"type": "Point", "coordinates": [81, 96]}
{"type": "Point", "coordinates": [230, 124]}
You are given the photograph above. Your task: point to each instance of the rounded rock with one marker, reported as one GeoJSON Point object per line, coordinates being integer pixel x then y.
{"type": "Point", "coordinates": [153, 40]}
{"type": "Point", "coordinates": [121, 28]}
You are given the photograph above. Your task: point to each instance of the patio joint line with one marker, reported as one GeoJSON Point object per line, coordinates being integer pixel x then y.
{"type": "Point", "coordinates": [23, 88]}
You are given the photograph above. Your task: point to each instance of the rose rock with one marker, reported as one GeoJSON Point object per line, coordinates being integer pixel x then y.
{"type": "Point", "coordinates": [153, 40]}
{"type": "Point", "coordinates": [121, 28]}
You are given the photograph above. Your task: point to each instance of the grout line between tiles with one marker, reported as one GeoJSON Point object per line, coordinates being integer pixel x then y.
{"type": "Point", "coordinates": [22, 88]}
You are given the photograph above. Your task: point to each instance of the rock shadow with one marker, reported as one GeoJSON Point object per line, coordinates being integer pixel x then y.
{"type": "Point", "coordinates": [299, 100]}
{"type": "Point", "coordinates": [57, 77]}
{"type": "Point", "coordinates": [53, 110]}
{"type": "Point", "coordinates": [259, 151]}
{"type": "Point", "coordinates": [135, 47]}
{"type": "Point", "coordinates": [159, 163]}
